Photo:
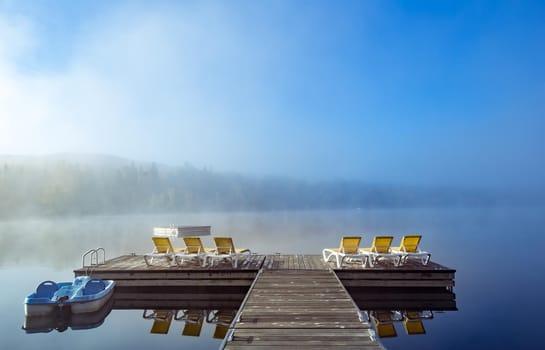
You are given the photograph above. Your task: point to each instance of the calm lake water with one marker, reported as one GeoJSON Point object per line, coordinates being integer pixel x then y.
{"type": "Point", "coordinates": [497, 252]}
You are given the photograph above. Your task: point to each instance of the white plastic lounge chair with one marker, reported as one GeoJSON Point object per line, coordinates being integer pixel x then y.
{"type": "Point", "coordinates": [163, 249]}
{"type": "Point", "coordinates": [409, 249]}
{"type": "Point", "coordinates": [380, 250]}
{"type": "Point", "coordinates": [225, 249]}
{"type": "Point", "coordinates": [348, 249]}
{"type": "Point", "coordinates": [194, 250]}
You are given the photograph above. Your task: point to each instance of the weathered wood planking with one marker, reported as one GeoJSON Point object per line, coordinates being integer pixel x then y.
{"type": "Point", "coordinates": [411, 274]}
{"type": "Point", "coordinates": [294, 262]}
{"type": "Point", "coordinates": [131, 270]}
{"type": "Point", "coordinates": [290, 306]}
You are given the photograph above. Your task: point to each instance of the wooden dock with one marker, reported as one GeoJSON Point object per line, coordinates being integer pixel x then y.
{"type": "Point", "coordinates": [131, 270]}
{"type": "Point", "coordinates": [288, 300]}
{"type": "Point", "coordinates": [303, 309]}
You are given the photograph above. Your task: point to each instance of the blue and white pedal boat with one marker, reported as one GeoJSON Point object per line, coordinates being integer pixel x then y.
{"type": "Point", "coordinates": [84, 295]}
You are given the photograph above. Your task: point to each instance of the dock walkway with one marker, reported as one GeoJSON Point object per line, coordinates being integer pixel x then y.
{"type": "Point", "coordinates": [299, 309]}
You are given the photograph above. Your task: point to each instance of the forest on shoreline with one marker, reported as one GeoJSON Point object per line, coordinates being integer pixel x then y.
{"type": "Point", "coordinates": [56, 186]}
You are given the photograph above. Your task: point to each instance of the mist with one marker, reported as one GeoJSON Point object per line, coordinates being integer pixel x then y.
{"type": "Point", "coordinates": [318, 93]}
{"type": "Point", "coordinates": [73, 185]}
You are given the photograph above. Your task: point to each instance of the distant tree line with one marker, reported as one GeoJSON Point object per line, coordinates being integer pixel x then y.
{"type": "Point", "coordinates": [60, 187]}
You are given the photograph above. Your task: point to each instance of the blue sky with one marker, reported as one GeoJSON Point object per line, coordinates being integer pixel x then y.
{"type": "Point", "coordinates": [404, 92]}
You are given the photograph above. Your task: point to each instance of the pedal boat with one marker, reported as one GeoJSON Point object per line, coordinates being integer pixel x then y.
{"type": "Point", "coordinates": [84, 295]}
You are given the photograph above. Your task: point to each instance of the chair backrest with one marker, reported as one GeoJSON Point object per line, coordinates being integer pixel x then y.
{"type": "Point", "coordinates": [161, 323]}
{"type": "Point", "coordinates": [224, 245]}
{"type": "Point", "coordinates": [193, 244]}
{"type": "Point", "coordinates": [414, 327]}
{"type": "Point", "coordinates": [221, 331]}
{"type": "Point", "coordinates": [385, 330]}
{"type": "Point", "coordinates": [46, 289]}
{"type": "Point", "coordinates": [410, 243]}
{"type": "Point", "coordinates": [381, 244]}
{"type": "Point", "coordinates": [94, 286]}
{"type": "Point", "coordinates": [162, 245]}
{"type": "Point", "coordinates": [383, 321]}
{"type": "Point", "coordinates": [193, 323]}
{"type": "Point", "coordinates": [350, 244]}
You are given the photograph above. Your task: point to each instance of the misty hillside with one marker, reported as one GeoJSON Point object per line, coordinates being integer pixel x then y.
{"type": "Point", "coordinates": [89, 185]}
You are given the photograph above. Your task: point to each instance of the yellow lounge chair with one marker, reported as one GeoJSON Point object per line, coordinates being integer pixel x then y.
{"type": "Point", "coordinates": [221, 331]}
{"type": "Point", "coordinates": [383, 322]}
{"type": "Point", "coordinates": [413, 327]}
{"type": "Point", "coordinates": [194, 249]}
{"type": "Point", "coordinates": [222, 319]}
{"type": "Point", "coordinates": [163, 249]}
{"type": "Point", "coordinates": [348, 249]}
{"type": "Point", "coordinates": [412, 322]}
{"type": "Point", "coordinates": [161, 320]}
{"type": "Point", "coordinates": [409, 249]}
{"type": "Point", "coordinates": [193, 323]}
{"type": "Point", "coordinates": [380, 249]}
{"type": "Point", "coordinates": [225, 249]}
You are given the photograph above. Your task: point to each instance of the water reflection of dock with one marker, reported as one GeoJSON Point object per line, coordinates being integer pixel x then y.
{"type": "Point", "coordinates": [288, 300]}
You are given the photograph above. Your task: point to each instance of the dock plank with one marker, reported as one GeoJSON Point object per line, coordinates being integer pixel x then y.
{"type": "Point", "coordinates": [131, 270]}
{"type": "Point", "coordinates": [290, 307]}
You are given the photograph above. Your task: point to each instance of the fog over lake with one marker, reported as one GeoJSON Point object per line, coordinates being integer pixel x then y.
{"type": "Point", "coordinates": [494, 250]}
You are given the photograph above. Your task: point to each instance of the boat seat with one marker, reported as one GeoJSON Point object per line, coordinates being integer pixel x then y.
{"type": "Point", "coordinates": [46, 289]}
{"type": "Point", "coordinates": [94, 286]}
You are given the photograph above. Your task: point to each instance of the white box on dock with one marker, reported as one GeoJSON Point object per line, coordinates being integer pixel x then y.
{"type": "Point", "coordinates": [180, 231]}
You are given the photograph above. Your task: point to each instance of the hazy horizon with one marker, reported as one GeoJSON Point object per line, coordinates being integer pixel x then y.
{"type": "Point", "coordinates": [425, 93]}
{"type": "Point", "coordinates": [102, 159]}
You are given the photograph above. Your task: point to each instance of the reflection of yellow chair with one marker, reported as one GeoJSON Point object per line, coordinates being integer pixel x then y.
{"type": "Point", "coordinates": [163, 249]}
{"type": "Point", "coordinates": [412, 321]}
{"type": "Point", "coordinates": [225, 249]}
{"type": "Point", "coordinates": [348, 249]}
{"type": "Point", "coordinates": [161, 320]}
{"type": "Point", "coordinates": [409, 249]}
{"type": "Point", "coordinates": [414, 326]}
{"type": "Point", "coordinates": [380, 249]}
{"type": "Point", "coordinates": [384, 323]}
{"type": "Point", "coordinates": [194, 249]}
{"type": "Point", "coordinates": [193, 323]}
{"type": "Point", "coordinates": [221, 331]}
{"type": "Point", "coordinates": [222, 326]}
{"type": "Point", "coordinates": [223, 320]}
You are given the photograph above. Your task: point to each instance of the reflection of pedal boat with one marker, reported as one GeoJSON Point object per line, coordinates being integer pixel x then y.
{"type": "Point", "coordinates": [61, 319]}
{"type": "Point", "coordinates": [83, 295]}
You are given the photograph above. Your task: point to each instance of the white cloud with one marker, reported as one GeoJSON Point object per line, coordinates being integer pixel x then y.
{"type": "Point", "coordinates": [132, 83]}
